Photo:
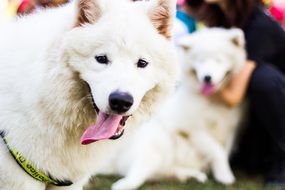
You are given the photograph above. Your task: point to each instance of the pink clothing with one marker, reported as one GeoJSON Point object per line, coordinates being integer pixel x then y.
{"type": "Point", "coordinates": [278, 13]}
{"type": "Point", "coordinates": [180, 2]}
{"type": "Point", "coordinates": [23, 6]}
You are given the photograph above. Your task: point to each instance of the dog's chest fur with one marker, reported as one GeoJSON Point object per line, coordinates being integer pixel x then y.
{"type": "Point", "coordinates": [203, 113]}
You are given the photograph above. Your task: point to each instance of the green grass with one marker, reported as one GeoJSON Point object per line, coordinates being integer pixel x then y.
{"type": "Point", "coordinates": [243, 183]}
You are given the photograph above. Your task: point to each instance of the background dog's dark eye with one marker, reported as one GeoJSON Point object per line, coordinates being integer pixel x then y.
{"type": "Point", "coordinates": [192, 71]}
{"type": "Point", "coordinates": [142, 63]}
{"type": "Point", "coordinates": [103, 59]}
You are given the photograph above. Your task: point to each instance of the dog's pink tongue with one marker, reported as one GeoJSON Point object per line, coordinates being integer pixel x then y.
{"type": "Point", "coordinates": [104, 128]}
{"type": "Point", "coordinates": [208, 89]}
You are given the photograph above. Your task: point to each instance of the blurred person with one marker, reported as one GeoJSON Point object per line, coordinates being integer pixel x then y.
{"type": "Point", "coordinates": [262, 146]}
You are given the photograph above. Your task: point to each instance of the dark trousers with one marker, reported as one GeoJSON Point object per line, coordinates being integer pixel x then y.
{"type": "Point", "coordinates": [262, 145]}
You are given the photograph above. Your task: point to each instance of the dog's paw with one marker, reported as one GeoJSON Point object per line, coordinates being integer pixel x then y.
{"type": "Point", "coordinates": [222, 172]}
{"type": "Point", "coordinates": [184, 174]}
{"type": "Point", "coordinates": [226, 178]}
{"type": "Point", "coordinates": [124, 184]}
{"type": "Point", "coordinates": [202, 177]}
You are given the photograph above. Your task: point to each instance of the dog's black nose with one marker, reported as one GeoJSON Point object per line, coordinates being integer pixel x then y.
{"type": "Point", "coordinates": [207, 79]}
{"type": "Point", "coordinates": [120, 102]}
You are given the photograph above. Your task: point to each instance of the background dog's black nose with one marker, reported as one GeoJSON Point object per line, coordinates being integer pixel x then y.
{"type": "Point", "coordinates": [207, 79]}
{"type": "Point", "coordinates": [120, 102]}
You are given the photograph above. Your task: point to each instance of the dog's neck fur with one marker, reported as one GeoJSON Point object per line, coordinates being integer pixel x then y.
{"type": "Point", "coordinates": [73, 101]}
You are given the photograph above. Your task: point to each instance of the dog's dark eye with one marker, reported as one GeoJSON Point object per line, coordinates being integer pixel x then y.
{"type": "Point", "coordinates": [102, 59]}
{"type": "Point", "coordinates": [142, 63]}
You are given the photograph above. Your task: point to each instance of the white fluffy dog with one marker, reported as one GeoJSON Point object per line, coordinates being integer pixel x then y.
{"type": "Point", "coordinates": [78, 73]}
{"type": "Point", "coordinates": [191, 133]}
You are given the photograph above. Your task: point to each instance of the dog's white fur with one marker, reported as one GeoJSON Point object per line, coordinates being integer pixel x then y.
{"type": "Point", "coordinates": [45, 104]}
{"type": "Point", "coordinates": [191, 134]}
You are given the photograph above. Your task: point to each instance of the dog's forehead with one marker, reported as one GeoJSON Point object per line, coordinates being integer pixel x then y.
{"type": "Point", "coordinates": [125, 13]}
{"type": "Point", "coordinates": [133, 35]}
{"type": "Point", "coordinates": [122, 30]}
{"type": "Point", "coordinates": [125, 24]}
{"type": "Point", "coordinates": [211, 40]}
{"type": "Point", "coordinates": [218, 51]}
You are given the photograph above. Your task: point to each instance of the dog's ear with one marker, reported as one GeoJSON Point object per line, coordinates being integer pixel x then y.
{"type": "Point", "coordinates": [162, 14]}
{"type": "Point", "coordinates": [88, 12]}
{"type": "Point", "coordinates": [237, 37]}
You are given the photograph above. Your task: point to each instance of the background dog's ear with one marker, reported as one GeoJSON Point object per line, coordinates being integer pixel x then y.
{"type": "Point", "coordinates": [237, 37]}
{"type": "Point", "coordinates": [162, 15]}
{"type": "Point", "coordinates": [88, 12]}
{"type": "Point", "coordinates": [185, 42]}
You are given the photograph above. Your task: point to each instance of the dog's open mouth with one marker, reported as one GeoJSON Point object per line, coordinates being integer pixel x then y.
{"type": "Point", "coordinates": [107, 126]}
{"type": "Point", "coordinates": [208, 89]}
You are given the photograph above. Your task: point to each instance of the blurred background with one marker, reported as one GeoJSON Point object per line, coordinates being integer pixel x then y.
{"type": "Point", "coordinates": [9, 9]}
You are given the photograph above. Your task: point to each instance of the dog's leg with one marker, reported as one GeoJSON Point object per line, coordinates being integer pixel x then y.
{"type": "Point", "coordinates": [230, 144]}
{"type": "Point", "coordinates": [140, 171]}
{"type": "Point", "coordinates": [183, 174]}
{"type": "Point", "coordinates": [208, 146]}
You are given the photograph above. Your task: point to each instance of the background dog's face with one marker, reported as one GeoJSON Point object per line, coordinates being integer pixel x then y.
{"type": "Point", "coordinates": [122, 50]}
{"type": "Point", "coordinates": [211, 56]}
